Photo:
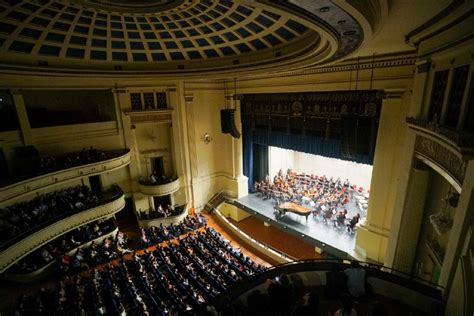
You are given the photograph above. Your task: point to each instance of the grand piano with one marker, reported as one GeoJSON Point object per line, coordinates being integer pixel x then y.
{"type": "Point", "coordinates": [291, 207]}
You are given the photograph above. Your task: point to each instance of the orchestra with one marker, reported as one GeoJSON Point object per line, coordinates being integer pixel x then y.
{"type": "Point", "coordinates": [327, 197]}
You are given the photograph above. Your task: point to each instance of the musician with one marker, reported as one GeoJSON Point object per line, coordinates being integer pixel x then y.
{"type": "Point", "coordinates": [352, 223]}
{"type": "Point", "coordinates": [340, 218]}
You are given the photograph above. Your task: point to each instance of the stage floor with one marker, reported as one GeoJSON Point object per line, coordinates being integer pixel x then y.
{"type": "Point", "coordinates": [336, 242]}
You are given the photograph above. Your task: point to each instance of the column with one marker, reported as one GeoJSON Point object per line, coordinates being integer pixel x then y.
{"type": "Point", "coordinates": [178, 100]}
{"type": "Point", "coordinates": [373, 232]}
{"type": "Point", "coordinates": [459, 230]}
{"type": "Point", "coordinates": [418, 108]}
{"type": "Point", "coordinates": [122, 101]}
{"type": "Point", "coordinates": [22, 117]}
{"type": "Point", "coordinates": [239, 178]}
{"type": "Point", "coordinates": [412, 218]}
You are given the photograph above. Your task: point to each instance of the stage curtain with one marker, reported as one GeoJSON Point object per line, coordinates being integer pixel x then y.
{"type": "Point", "coordinates": [260, 162]}
{"type": "Point", "coordinates": [327, 147]}
{"type": "Point", "coordinates": [247, 151]}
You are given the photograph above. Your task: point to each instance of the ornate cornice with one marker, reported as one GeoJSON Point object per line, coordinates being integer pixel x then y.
{"type": "Point", "coordinates": [386, 61]}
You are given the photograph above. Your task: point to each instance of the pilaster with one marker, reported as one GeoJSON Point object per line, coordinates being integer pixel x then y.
{"type": "Point", "coordinates": [237, 157]}
{"type": "Point", "coordinates": [412, 217]}
{"type": "Point", "coordinates": [22, 117]}
{"type": "Point", "coordinates": [462, 220]}
{"type": "Point", "coordinates": [122, 100]}
{"type": "Point", "coordinates": [373, 233]}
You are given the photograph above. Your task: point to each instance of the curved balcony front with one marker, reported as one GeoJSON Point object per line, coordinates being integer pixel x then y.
{"type": "Point", "coordinates": [116, 159]}
{"type": "Point", "coordinates": [144, 222]}
{"type": "Point", "coordinates": [159, 188]}
{"type": "Point", "coordinates": [26, 243]}
{"type": "Point", "coordinates": [51, 266]}
{"type": "Point", "coordinates": [445, 150]}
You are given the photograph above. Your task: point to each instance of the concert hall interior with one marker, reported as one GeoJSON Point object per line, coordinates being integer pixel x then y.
{"type": "Point", "coordinates": [236, 157]}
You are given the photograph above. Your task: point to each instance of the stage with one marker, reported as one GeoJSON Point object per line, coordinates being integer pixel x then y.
{"type": "Point", "coordinates": [336, 242]}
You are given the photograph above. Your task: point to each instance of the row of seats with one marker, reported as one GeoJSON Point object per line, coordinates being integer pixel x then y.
{"type": "Point", "coordinates": [31, 164]}
{"type": "Point", "coordinates": [21, 219]}
{"type": "Point", "coordinates": [157, 234]}
{"type": "Point", "coordinates": [179, 276]}
{"type": "Point", "coordinates": [55, 249]}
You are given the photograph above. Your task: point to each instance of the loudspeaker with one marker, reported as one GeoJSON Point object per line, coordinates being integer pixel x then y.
{"type": "Point", "coordinates": [228, 123]}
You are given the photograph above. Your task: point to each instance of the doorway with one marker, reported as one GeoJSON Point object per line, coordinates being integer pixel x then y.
{"type": "Point", "coordinates": [96, 184]}
{"type": "Point", "coordinates": [164, 201]}
{"type": "Point", "coordinates": [128, 224]}
{"type": "Point", "coordinates": [158, 168]}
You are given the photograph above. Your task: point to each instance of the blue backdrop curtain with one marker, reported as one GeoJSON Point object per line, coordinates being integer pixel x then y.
{"type": "Point", "coordinates": [333, 148]}
{"type": "Point", "coordinates": [260, 162]}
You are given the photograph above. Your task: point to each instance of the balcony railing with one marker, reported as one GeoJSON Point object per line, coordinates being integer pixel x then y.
{"type": "Point", "coordinates": [110, 203]}
{"type": "Point", "coordinates": [462, 141]}
{"type": "Point", "coordinates": [420, 294]}
{"type": "Point", "coordinates": [145, 222]}
{"type": "Point", "coordinates": [33, 182]}
{"type": "Point", "coordinates": [444, 149]}
{"type": "Point", "coordinates": [159, 188]}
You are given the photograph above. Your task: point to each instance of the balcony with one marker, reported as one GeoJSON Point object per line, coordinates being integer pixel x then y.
{"type": "Point", "coordinates": [385, 283]}
{"type": "Point", "coordinates": [110, 203]}
{"type": "Point", "coordinates": [159, 188]}
{"type": "Point", "coordinates": [112, 160]}
{"type": "Point", "coordinates": [444, 149]}
{"type": "Point", "coordinates": [51, 266]}
{"type": "Point", "coordinates": [144, 221]}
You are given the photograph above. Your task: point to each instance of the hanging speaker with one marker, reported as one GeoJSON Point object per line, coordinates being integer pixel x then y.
{"type": "Point", "coordinates": [228, 123]}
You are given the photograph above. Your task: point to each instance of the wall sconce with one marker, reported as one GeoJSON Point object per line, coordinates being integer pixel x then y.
{"type": "Point", "coordinates": [206, 138]}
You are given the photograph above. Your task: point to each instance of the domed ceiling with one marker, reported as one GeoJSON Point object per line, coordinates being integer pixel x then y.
{"type": "Point", "coordinates": [172, 36]}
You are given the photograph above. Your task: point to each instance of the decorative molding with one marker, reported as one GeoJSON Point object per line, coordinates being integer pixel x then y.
{"type": "Point", "coordinates": [49, 268]}
{"type": "Point", "coordinates": [393, 93]}
{"type": "Point", "coordinates": [147, 116]}
{"type": "Point", "coordinates": [442, 156]}
{"type": "Point", "coordinates": [166, 221]}
{"type": "Point", "coordinates": [152, 118]}
{"type": "Point", "coordinates": [20, 189]}
{"type": "Point", "coordinates": [459, 141]}
{"type": "Point", "coordinates": [437, 18]}
{"type": "Point", "coordinates": [406, 59]}
{"type": "Point", "coordinates": [159, 189]}
{"type": "Point", "coordinates": [423, 66]}
{"type": "Point", "coordinates": [326, 13]}
{"type": "Point", "coordinates": [189, 97]}
{"type": "Point", "coordinates": [27, 245]}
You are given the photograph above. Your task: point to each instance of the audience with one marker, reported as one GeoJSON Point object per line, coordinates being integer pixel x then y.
{"type": "Point", "coordinates": [162, 212]}
{"type": "Point", "coordinates": [355, 279]}
{"type": "Point", "coordinates": [60, 246]}
{"type": "Point", "coordinates": [157, 234]}
{"type": "Point", "coordinates": [175, 278]}
{"type": "Point", "coordinates": [49, 164]}
{"type": "Point", "coordinates": [346, 306]}
{"type": "Point", "coordinates": [25, 217]}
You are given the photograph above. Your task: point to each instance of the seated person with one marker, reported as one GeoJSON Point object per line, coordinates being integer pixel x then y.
{"type": "Point", "coordinates": [356, 279]}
